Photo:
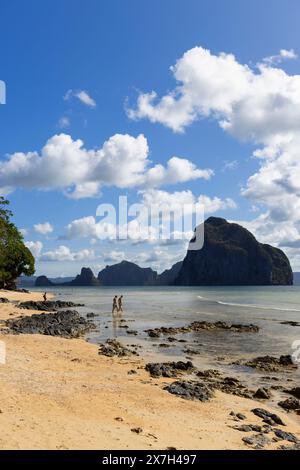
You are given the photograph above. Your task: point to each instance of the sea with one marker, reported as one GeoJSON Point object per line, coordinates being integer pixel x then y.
{"type": "Point", "coordinates": [151, 307]}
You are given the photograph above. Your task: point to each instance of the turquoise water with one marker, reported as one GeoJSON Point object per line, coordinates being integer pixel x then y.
{"type": "Point", "coordinates": [149, 307]}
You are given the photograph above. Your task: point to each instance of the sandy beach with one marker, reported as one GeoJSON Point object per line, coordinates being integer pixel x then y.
{"type": "Point", "coordinates": [60, 393]}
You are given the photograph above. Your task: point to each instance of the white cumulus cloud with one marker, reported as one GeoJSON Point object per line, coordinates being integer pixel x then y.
{"type": "Point", "coordinates": [65, 164]}
{"type": "Point", "coordinates": [43, 228]}
{"type": "Point", "coordinates": [63, 253]}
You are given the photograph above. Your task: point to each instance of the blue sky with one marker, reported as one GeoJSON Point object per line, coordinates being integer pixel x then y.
{"type": "Point", "coordinates": [116, 52]}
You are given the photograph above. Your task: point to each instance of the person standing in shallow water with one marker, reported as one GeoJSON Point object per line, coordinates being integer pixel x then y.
{"type": "Point", "coordinates": [120, 304]}
{"type": "Point", "coordinates": [45, 296]}
{"type": "Point", "coordinates": [115, 305]}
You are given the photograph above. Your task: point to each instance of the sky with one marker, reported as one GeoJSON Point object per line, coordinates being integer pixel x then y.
{"type": "Point", "coordinates": [190, 102]}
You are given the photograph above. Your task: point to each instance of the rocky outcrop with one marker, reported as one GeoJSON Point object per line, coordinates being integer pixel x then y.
{"type": "Point", "coordinates": [127, 274]}
{"type": "Point", "coordinates": [190, 390]}
{"type": "Point", "coordinates": [66, 323]}
{"type": "Point", "coordinates": [232, 256]}
{"type": "Point", "coordinates": [85, 278]}
{"type": "Point", "coordinates": [269, 363]}
{"type": "Point", "coordinates": [169, 369]}
{"type": "Point", "coordinates": [203, 325]}
{"type": "Point", "coordinates": [112, 347]}
{"type": "Point", "coordinates": [48, 305]}
{"type": "Point", "coordinates": [43, 281]}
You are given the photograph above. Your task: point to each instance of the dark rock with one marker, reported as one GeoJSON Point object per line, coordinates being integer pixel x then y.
{"type": "Point", "coordinates": [291, 323]}
{"type": "Point", "coordinates": [209, 373]}
{"type": "Point", "coordinates": [127, 274]}
{"type": "Point", "coordinates": [232, 256]}
{"type": "Point", "coordinates": [290, 404]}
{"type": "Point", "coordinates": [190, 390]}
{"type": "Point", "coordinates": [169, 369]}
{"type": "Point", "coordinates": [132, 372]}
{"type": "Point", "coordinates": [221, 325]}
{"type": "Point", "coordinates": [232, 386]}
{"type": "Point", "coordinates": [113, 347]}
{"type": "Point", "coordinates": [137, 430]}
{"type": "Point", "coordinates": [202, 325]}
{"type": "Point", "coordinates": [153, 333]}
{"type": "Point", "coordinates": [264, 414]}
{"type": "Point", "coordinates": [48, 306]}
{"type": "Point", "coordinates": [66, 323]}
{"type": "Point", "coordinates": [269, 421]}
{"type": "Point", "coordinates": [287, 436]}
{"type": "Point", "coordinates": [132, 332]}
{"type": "Point", "coordinates": [171, 339]}
{"type": "Point", "coordinates": [91, 315]}
{"type": "Point", "coordinates": [248, 428]}
{"type": "Point", "coordinates": [262, 393]}
{"type": "Point", "coordinates": [190, 351]}
{"type": "Point", "coordinates": [243, 428]}
{"type": "Point", "coordinates": [258, 441]}
{"type": "Point", "coordinates": [240, 416]}
{"type": "Point", "coordinates": [294, 391]}
{"type": "Point", "coordinates": [4, 300]}
{"type": "Point", "coordinates": [269, 363]}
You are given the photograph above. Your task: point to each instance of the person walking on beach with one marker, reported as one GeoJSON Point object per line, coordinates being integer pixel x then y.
{"type": "Point", "coordinates": [120, 303]}
{"type": "Point", "coordinates": [115, 305]}
{"type": "Point", "coordinates": [45, 296]}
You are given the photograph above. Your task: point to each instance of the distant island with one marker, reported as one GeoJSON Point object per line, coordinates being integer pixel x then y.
{"type": "Point", "coordinates": [231, 255]}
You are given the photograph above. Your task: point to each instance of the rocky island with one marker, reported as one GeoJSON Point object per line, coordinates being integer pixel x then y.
{"type": "Point", "coordinates": [231, 255]}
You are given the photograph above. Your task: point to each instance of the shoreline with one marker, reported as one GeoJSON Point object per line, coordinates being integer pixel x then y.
{"type": "Point", "coordinates": [60, 393]}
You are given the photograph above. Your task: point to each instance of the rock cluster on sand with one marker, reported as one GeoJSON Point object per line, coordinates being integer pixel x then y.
{"type": "Point", "coordinates": [65, 323]}
{"type": "Point", "coordinates": [4, 300]}
{"type": "Point", "coordinates": [258, 441]}
{"type": "Point", "coordinates": [269, 363]}
{"type": "Point", "coordinates": [203, 325]}
{"type": "Point", "coordinates": [263, 436]}
{"type": "Point", "coordinates": [48, 305]}
{"type": "Point", "coordinates": [212, 379]}
{"type": "Point", "coordinates": [113, 347]}
{"type": "Point", "coordinates": [190, 390]}
{"type": "Point", "coordinates": [265, 414]}
{"type": "Point", "coordinates": [290, 404]}
{"type": "Point", "coordinates": [231, 385]}
{"type": "Point", "coordinates": [169, 369]}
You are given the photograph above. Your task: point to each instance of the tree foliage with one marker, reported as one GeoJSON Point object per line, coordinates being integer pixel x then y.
{"type": "Point", "coordinates": [15, 257]}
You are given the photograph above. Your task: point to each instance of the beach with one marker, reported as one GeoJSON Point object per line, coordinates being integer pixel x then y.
{"type": "Point", "coordinates": [59, 393]}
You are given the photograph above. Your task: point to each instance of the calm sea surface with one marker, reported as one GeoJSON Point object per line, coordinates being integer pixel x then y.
{"type": "Point", "coordinates": [150, 307]}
